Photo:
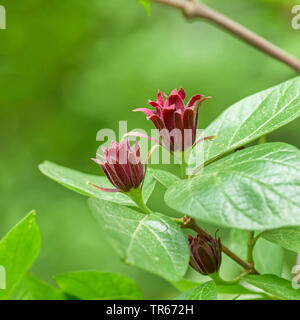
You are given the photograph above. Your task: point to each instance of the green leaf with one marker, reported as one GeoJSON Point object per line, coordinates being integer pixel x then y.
{"type": "Point", "coordinates": [79, 182]}
{"type": "Point", "coordinates": [18, 250]}
{"type": "Point", "coordinates": [207, 291]}
{"type": "Point", "coordinates": [288, 238]}
{"type": "Point", "coordinates": [234, 290]}
{"type": "Point", "coordinates": [92, 285]}
{"type": "Point", "coordinates": [268, 257]}
{"type": "Point", "coordinates": [164, 177]}
{"type": "Point", "coordinates": [253, 117]}
{"type": "Point", "coordinates": [184, 285]}
{"type": "Point", "coordinates": [152, 242]}
{"type": "Point", "coordinates": [257, 188]}
{"type": "Point", "coordinates": [146, 5]}
{"type": "Point", "coordinates": [32, 288]}
{"type": "Point", "coordinates": [237, 242]}
{"type": "Point", "coordinates": [274, 285]}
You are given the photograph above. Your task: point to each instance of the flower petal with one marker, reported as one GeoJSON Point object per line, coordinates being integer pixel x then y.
{"type": "Point", "coordinates": [97, 161]}
{"type": "Point", "coordinates": [147, 112]}
{"type": "Point", "coordinates": [178, 120]}
{"type": "Point", "coordinates": [103, 189]}
{"type": "Point", "coordinates": [141, 135]}
{"type": "Point", "coordinates": [148, 157]}
{"type": "Point", "coordinates": [122, 175]}
{"type": "Point", "coordinates": [175, 99]}
{"type": "Point", "coordinates": [135, 174]}
{"type": "Point", "coordinates": [205, 138]}
{"type": "Point", "coordinates": [160, 99]}
{"type": "Point", "coordinates": [157, 121]}
{"type": "Point", "coordinates": [188, 118]}
{"type": "Point", "coordinates": [194, 100]}
{"type": "Point", "coordinates": [168, 117]}
{"type": "Point", "coordinates": [116, 181]}
{"type": "Point", "coordinates": [104, 170]}
{"type": "Point", "coordinates": [156, 106]}
{"type": "Point", "coordinates": [182, 94]}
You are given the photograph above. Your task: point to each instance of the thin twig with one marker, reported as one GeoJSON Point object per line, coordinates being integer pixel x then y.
{"type": "Point", "coordinates": [194, 9]}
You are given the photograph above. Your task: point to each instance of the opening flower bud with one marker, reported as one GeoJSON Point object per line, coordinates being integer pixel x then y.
{"type": "Point", "coordinates": [122, 165]}
{"type": "Point", "coordinates": [175, 121]}
{"type": "Point", "coordinates": [206, 254]}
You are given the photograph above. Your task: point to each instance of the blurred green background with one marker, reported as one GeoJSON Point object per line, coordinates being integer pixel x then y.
{"type": "Point", "coordinates": [69, 68]}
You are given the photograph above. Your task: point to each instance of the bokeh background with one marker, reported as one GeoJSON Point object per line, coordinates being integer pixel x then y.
{"type": "Point", "coordinates": [69, 68]}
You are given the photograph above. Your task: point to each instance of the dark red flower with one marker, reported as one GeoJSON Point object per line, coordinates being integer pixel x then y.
{"type": "Point", "coordinates": [122, 165]}
{"type": "Point", "coordinates": [171, 114]}
{"type": "Point", "coordinates": [206, 254]}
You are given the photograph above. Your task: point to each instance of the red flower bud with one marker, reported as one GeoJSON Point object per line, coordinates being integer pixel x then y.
{"type": "Point", "coordinates": [122, 166]}
{"type": "Point", "coordinates": [176, 122]}
{"type": "Point", "coordinates": [206, 254]}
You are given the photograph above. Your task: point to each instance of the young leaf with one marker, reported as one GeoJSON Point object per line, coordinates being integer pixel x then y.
{"type": "Point", "coordinates": [32, 288]}
{"type": "Point", "coordinates": [257, 188]}
{"type": "Point", "coordinates": [146, 5]}
{"type": "Point", "coordinates": [92, 285]}
{"type": "Point", "coordinates": [288, 238]}
{"type": "Point", "coordinates": [274, 285]}
{"type": "Point", "coordinates": [206, 291]}
{"type": "Point", "coordinates": [253, 117]}
{"type": "Point", "coordinates": [79, 182]}
{"type": "Point", "coordinates": [152, 242]}
{"type": "Point", "coordinates": [18, 250]}
{"type": "Point", "coordinates": [164, 177]}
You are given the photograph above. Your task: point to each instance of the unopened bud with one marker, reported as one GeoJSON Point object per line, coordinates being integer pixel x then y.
{"type": "Point", "coordinates": [206, 254]}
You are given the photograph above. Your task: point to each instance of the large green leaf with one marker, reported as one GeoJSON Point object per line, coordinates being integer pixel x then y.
{"type": "Point", "coordinates": [206, 291]}
{"type": "Point", "coordinates": [18, 250]}
{"type": "Point", "coordinates": [152, 242]}
{"type": "Point", "coordinates": [184, 285]}
{"type": "Point", "coordinates": [164, 177]}
{"type": "Point", "coordinates": [257, 188]}
{"type": "Point", "coordinates": [288, 238]}
{"type": "Point", "coordinates": [235, 289]}
{"type": "Point", "coordinates": [253, 117]}
{"type": "Point", "coordinates": [79, 182]}
{"type": "Point", "coordinates": [92, 285]}
{"type": "Point", "coordinates": [32, 288]}
{"type": "Point", "coordinates": [275, 286]}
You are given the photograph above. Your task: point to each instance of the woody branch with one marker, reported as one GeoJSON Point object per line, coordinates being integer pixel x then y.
{"type": "Point", "coordinates": [194, 9]}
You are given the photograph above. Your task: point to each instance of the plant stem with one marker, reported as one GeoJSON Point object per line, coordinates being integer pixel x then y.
{"type": "Point", "coordinates": [183, 166]}
{"type": "Point", "coordinates": [190, 223]}
{"type": "Point", "coordinates": [137, 197]}
{"type": "Point", "coordinates": [194, 9]}
{"type": "Point", "coordinates": [219, 280]}
{"type": "Point", "coordinates": [256, 238]}
{"type": "Point", "coordinates": [250, 244]}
